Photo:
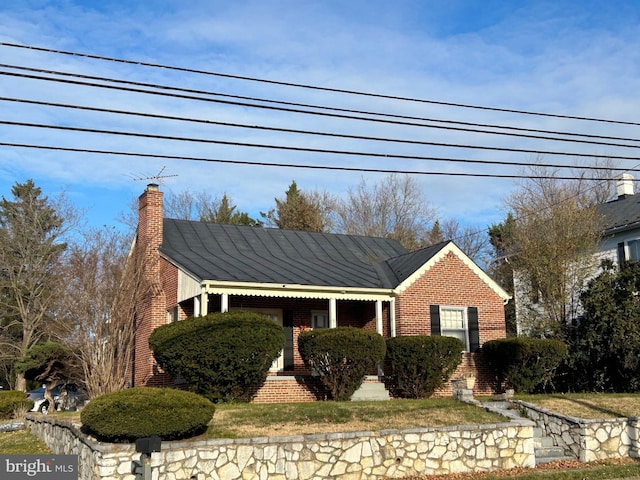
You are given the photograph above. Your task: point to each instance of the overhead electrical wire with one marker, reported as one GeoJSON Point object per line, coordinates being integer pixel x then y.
{"type": "Point", "coordinates": [299, 148]}
{"type": "Point", "coordinates": [166, 88]}
{"type": "Point", "coordinates": [300, 131]}
{"type": "Point", "coordinates": [294, 165]}
{"type": "Point", "coordinates": [312, 87]}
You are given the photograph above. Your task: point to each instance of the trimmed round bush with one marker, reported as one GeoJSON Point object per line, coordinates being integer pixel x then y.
{"type": "Point", "coordinates": [421, 364]}
{"type": "Point", "coordinates": [222, 356]}
{"type": "Point", "coordinates": [524, 363]}
{"type": "Point", "coordinates": [12, 401]}
{"type": "Point", "coordinates": [141, 412]}
{"type": "Point", "coordinates": [341, 357]}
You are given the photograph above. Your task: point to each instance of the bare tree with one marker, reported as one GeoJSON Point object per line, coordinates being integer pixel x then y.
{"type": "Point", "coordinates": [473, 241]}
{"type": "Point", "coordinates": [184, 205]}
{"type": "Point", "coordinates": [32, 228]}
{"type": "Point", "coordinates": [392, 208]}
{"type": "Point", "coordinates": [551, 245]}
{"type": "Point", "coordinates": [103, 284]}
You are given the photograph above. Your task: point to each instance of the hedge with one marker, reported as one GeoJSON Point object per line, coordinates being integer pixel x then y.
{"type": "Point", "coordinates": [223, 356]}
{"type": "Point", "coordinates": [421, 364]}
{"type": "Point", "coordinates": [341, 357]}
{"type": "Point", "coordinates": [140, 412]}
{"type": "Point", "coordinates": [523, 363]}
{"type": "Point", "coordinates": [12, 401]}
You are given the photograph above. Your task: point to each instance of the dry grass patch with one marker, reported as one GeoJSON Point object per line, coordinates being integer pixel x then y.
{"type": "Point", "coordinates": [21, 442]}
{"type": "Point", "coordinates": [257, 420]}
{"type": "Point", "coordinates": [589, 405]}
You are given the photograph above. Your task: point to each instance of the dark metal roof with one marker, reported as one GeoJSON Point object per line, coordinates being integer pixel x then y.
{"type": "Point", "coordinates": [620, 214]}
{"type": "Point", "coordinates": [211, 251]}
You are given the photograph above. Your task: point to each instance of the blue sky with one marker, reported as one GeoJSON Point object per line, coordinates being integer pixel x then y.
{"type": "Point", "coordinates": [579, 58]}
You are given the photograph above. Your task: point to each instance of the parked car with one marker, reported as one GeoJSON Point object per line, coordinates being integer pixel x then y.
{"type": "Point", "coordinates": [65, 395]}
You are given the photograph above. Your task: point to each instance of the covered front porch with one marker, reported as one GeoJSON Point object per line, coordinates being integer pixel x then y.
{"type": "Point", "coordinates": [297, 308]}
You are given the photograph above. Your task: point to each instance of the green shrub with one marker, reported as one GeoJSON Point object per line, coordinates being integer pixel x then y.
{"type": "Point", "coordinates": [223, 356]}
{"type": "Point", "coordinates": [524, 364]}
{"type": "Point", "coordinates": [144, 411]}
{"type": "Point", "coordinates": [421, 364]}
{"type": "Point", "coordinates": [341, 357]}
{"type": "Point", "coordinates": [12, 401]}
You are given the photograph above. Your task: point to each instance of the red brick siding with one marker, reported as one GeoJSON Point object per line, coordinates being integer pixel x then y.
{"type": "Point", "coordinates": [450, 282]}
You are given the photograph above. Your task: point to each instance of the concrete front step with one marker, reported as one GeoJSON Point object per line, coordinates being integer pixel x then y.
{"type": "Point", "coordinates": [546, 452]}
{"type": "Point", "coordinates": [543, 460]}
{"type": "Point", "coordinates": [371, 391]}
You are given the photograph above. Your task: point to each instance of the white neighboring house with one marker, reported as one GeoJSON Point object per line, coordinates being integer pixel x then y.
{"type": "Point", "coordinates": [620, 242]}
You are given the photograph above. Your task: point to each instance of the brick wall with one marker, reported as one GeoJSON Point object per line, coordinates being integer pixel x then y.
{"type": "Point", "coordinates": [450, 282]}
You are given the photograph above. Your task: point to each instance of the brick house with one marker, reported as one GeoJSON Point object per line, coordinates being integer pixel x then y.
{"type": "Point", "coordinates": [308, 280]}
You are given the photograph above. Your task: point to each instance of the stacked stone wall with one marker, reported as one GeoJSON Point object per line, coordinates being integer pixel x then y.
{"type": "Point", "coordinates": [335, 456]}
{"type": "Point", "coordinates": [588, 440]}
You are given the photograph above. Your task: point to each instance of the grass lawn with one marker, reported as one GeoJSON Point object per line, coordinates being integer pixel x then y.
{"type": "Point", "coordinates": [589, 405]}
{"type": "Point", "coordinates": [257, 420]}
{"type": "Point", "coordinates": [21, 442]}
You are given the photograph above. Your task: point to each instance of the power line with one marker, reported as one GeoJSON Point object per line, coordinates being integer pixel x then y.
{"type": "Point", "coordinates": [318, 107]}
{"type": "Point", "coordinates": [309, 149]}
{"type": "Point", "coordinates": [312, 87]}
{"type": "Point", "coordinates": [294, 165]}
{"type": "Point", "coordinates": [313, 132]}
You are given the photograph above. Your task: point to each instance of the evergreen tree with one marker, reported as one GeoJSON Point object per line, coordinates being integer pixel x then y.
{"type": "Point", "coordinates": [224, 212]}
{"type": "Point", "coordinates": [31, 249]}
{"type": "Point", "coordinates": [300, 211]}
{"type": "Point", "coordinates": [605, 351]}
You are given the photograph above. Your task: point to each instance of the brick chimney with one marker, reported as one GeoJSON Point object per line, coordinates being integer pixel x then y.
{"type": "Point", "coordinates": [624, 185]}
{"type": "Point", "coordinates": [151, 311]}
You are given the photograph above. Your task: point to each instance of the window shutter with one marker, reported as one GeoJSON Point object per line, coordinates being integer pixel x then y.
{"type": "Point", "coordinates": [287, 323]}
{"type": "Point", "coordinates": [621, 254]}
{"type": "Point", "coordinates": [474, 330]}
{"type": "Point", "coordinates": [434, 313]}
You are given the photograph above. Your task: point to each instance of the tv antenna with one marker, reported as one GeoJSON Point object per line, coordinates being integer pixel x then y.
{"type": "Point", "coordinates": [157, 178]}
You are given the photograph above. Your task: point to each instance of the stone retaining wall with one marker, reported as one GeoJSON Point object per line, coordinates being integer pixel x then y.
{"type": "Point", "coordinates": [336, 456]}
{"type": "Point", "coordinates": [588, 440]}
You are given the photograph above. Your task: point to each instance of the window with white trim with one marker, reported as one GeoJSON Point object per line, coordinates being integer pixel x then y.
{"type": "Point", "coordinates": [453, 323]}
{"type": "Point", "coordinates": [319, 319]}
{"type": "Point", "coordinates": [173, 315]}
{"type": "Point", "coordinates": [629, 251]}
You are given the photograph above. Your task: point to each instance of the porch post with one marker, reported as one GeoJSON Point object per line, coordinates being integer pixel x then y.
{"type": "Point", "coordinates": [197, 308]}
{"type": "Point", "coordinates": [379, 317]}
{"type": "Point", "coordinates": [224, 303]}
{"type": "Point", "coordinates": [204, 302]}
{"type": "Point", "coordinates": [392, 317]}
{"type": "Point", "coordinates": [333, 322]}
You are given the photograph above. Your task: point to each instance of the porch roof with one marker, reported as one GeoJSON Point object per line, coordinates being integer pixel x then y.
{"type": "Point", "coordinates": [232, 253]}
